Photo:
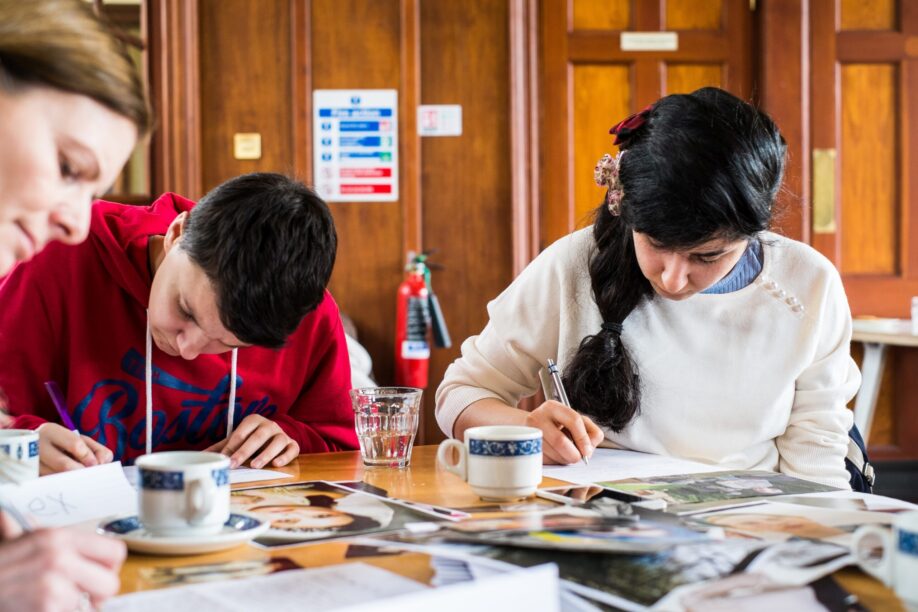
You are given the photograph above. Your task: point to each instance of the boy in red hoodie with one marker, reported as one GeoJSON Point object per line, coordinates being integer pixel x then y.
{"type": "Point", "coordinates": [245, 268]}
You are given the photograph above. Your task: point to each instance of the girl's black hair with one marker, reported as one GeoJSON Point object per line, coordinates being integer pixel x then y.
{"type": "Point", "coordinates": [703, 166]}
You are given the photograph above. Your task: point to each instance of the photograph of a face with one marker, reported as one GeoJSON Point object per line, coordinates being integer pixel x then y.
{"type": "Point", "coordinates": [715, 487]}
{"type": "Point", "coordinates": [319, 510]}
{"type": "Point", "coordinates": [211, 572]}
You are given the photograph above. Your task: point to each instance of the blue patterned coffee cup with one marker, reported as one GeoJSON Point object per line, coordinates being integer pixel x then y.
{"type": "Point", "coordinates": [183, 492]}
{"type": "Point", "coordinates": [500, 462]}
{"type": "Point", "coordinates": [897, 565]}
{"type": "Point", "coordinates": [19, 460]}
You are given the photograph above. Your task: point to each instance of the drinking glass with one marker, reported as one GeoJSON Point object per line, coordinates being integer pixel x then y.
{"type": "Point", "coordinates": [386, 419]}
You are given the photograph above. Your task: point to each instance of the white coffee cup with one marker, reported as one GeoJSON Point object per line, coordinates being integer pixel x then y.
{"type": "Point", "coordinates": [500, 462]}
{"type": "Point", "coordinates": [898, 564]}
{"type": "Point", "coordinates": [21, 449]}
{"type": "Point", "coordinates": [183, 493]}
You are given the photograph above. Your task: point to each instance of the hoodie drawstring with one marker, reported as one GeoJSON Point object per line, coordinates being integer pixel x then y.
{"type": "Point", "coordinates": [230, 413]}
{"type": "Point", "coordinates": [148, 386]}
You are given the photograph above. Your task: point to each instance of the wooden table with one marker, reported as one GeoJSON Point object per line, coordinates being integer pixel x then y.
{"type": "Point", "coordinates": [421, 482]}
{"type": "Point", "coordinates": [876, 335]}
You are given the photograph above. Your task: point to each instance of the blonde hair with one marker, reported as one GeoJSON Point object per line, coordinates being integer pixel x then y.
{"type": "Point", "coordinates": [62, 44]}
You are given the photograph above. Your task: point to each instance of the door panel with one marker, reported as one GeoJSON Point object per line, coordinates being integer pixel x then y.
{"type": "Point", "coordinates": [868, 14]}
{"type": "Point", "coordinates": [600, 92]}
{"type": "Point", "coordinates": [869, 201]}
{"type": "Point", "coordinates": [602, 14]}
{"type": "Point", "coordinates": [694, 15]}
{"type": "Point", "coordinates": [686, 78]}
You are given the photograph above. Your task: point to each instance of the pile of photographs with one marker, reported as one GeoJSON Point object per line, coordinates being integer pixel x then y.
{"type": "Point", "coordinates": [728, 539]}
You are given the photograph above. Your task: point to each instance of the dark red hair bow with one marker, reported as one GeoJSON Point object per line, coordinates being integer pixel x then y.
{"type": "Point", "coordinates": [625, 128]}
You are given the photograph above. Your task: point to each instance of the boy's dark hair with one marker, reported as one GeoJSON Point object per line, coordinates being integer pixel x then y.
{"type": "Point", "coordinates": [268, 244]}
{"type": "Point", "coordinates": [703, 166]}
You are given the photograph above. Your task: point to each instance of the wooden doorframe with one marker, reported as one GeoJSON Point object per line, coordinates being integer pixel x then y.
{"type": "Point", "coordinates": [175, 148]}
{"type": "Point", "coordinates": [783, 86]}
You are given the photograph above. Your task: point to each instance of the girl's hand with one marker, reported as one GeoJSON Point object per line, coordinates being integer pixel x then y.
{"type": "Point", "coordinates": [566, 434]}
{"type": "Point", "coordinates": [256, 433]}
{"type": "Point", "coordinates": [59, 569]}
{"type": "Point", "coordinates": [60, 450]}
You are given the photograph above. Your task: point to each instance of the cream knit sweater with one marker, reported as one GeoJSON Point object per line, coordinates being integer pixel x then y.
{"type": "Point", "coordinates": [754, 379]}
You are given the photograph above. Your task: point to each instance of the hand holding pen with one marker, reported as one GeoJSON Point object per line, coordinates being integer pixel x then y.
{"type": "Point", "coordinates": [62, 447]}
{"type": "Point", "coordinates": [567, 435]}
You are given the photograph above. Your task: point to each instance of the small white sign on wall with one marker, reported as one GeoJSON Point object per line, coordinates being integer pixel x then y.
{"type": "Point", "coordinates": [355, 144]}
{"type": "Point", "coordinates": [649, 41]}
{"type": "Point", "coordinates": [440, 120]}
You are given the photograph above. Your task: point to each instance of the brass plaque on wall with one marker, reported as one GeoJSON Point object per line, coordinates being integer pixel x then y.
{"type": "Point", "coordinates": [824, 191]}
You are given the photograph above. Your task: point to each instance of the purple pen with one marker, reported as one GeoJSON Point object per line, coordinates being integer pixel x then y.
{"type": "Point", "coordinates": [61, 404]}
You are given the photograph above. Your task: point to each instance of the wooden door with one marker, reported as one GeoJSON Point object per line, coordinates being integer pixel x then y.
{"type": "Point", "coordinates": [589, 82]}
{"type": "Point", "coordinates": [864, 98]}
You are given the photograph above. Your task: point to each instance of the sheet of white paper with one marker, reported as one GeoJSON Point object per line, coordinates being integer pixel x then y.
{"type": "Point", "coordinates": [73, 497]}
{"type": "Point", "coordinates": [535, 588]}
{"type": "Point", "coordinates": [323, 588]}
{"type": "Point", "coordinates": [609, 464]}
{"type": "Point", "coordinates": [237, 476]}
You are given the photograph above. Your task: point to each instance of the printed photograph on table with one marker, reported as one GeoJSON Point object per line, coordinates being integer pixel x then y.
{"type": "Point", "coordinates": [688, 491]}
{"type": "Point", "coordinates": [775, 521]}
{"type": "Point", "coordinates": [210, 572]}
{"type": "Point", "coordinates": [432, 510]}
{"type": "Point", "coordinates": [319, 510]}
{"type": "Point", "coordinates": [621, 535]}
{"type": "Point", "coordinates": [631, 582]}
{"type": "Point", "coordinates": [580, 530]}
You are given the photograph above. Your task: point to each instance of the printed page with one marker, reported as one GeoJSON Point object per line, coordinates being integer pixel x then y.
{"type": "Point", "coordinates": [73, 497]}
{"type": "Point", "coordinates": [608, 464]}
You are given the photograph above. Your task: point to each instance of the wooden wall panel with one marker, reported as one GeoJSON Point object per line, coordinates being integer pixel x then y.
{"type": "Point", "coordinates": [173, 58]}
{"type": "Point", "coordinates": [465, 182]}
{"type": "Point", "coordinates": [686, 78]}
{"type": "Point", "coordinates": [868, 14]}
{"type": "Point", "coordinates": [869, 195]}
{"type": "Point", "coordinates": [245, 85]}
{"type": "Point", "coordinates": [362, 51]}
{"type": "Point", "coordinates": [602, 98]}
{"type": "Point", "coordinates": [693, 15]}
{"type": "Point", "coordinates": [602, 14]}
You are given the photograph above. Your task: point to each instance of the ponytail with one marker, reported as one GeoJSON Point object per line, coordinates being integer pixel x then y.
{"type": "Point", "coordinates": [602, 380]}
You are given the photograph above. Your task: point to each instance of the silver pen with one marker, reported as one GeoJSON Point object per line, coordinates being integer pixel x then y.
{"type": "Point", "coordinates": [561, 396]}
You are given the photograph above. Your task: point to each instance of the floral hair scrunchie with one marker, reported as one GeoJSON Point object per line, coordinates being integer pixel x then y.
{"type": "Point", "coordinates": [606, 175]}
{"type": "Point", "coordinates": [607, 169]}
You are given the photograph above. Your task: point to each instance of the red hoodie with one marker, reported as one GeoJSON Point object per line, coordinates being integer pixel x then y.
{"type": "Point", "coordinates": [77, 315]}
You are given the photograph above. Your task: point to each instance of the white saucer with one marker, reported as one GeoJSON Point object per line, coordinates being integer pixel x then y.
{"type": "Point", "coordinates": [240, 528]}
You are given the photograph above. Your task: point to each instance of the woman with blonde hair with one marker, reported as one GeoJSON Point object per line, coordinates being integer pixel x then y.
{"type": "Point", "coordinates": [72, 108]}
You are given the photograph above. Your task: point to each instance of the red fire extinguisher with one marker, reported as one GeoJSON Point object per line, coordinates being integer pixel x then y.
{"type": "Point", "coordinates": [417, 314]}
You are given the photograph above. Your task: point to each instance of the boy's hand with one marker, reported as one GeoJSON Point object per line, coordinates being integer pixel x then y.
{"type": "Point", "coordinates": [256, 433]}
{"type": "Point", "coordinates": [60, 450]}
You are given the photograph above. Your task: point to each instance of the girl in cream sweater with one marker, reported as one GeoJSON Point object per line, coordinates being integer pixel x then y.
{"type": "Point", "coordinates": [681, 325]}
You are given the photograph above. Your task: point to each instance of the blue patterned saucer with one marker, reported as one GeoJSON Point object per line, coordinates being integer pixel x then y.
{"type": "Point", "coordinates": [240, 528]}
